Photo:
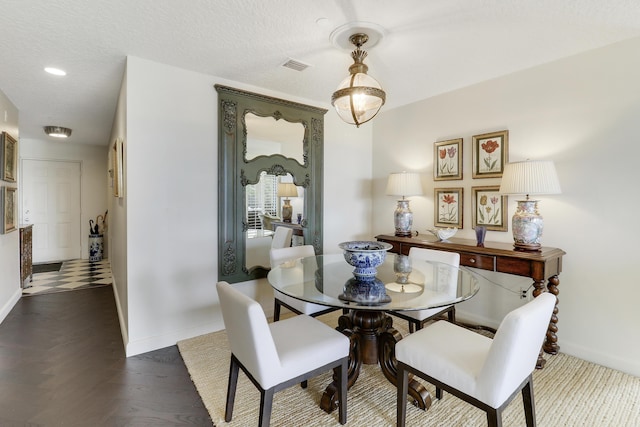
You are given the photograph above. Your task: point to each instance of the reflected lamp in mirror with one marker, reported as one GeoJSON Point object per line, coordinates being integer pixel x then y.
{"type": "Point", "coordinates": [529, 178]}
{"type": "Point", "coordinates": [287, 190]}
{"type": "Point", "coordinates": [403, 184]}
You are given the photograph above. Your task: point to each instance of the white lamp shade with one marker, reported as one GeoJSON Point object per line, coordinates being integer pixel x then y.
{"type": "Point", "coordinates": [530, 177]}
{"type": "Point", "coordinates": [404, 184]}
{"type": "Point", "coordinates": [287, 189]}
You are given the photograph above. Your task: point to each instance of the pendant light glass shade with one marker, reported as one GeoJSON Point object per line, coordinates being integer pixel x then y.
{"type": "Point", "coordinates": [359, 97]}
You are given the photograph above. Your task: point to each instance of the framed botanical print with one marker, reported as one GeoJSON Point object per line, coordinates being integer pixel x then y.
{"type": "Point", "coordinates": [448, 207]}
{"type": "Point", "coordinates": [9, 157]}
{"type": "Point", "coordinates": [8, 203]}
{"type": "Point", "coordinates": [489, 208]}
{"type": "Point", "coordinates": [447, 163]}
{"type": "Point", "coordinates": [490, 154]}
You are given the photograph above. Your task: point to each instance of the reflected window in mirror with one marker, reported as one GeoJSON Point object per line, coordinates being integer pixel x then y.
{"type": "Point", "coordinates": [261, 205]}
{"type": "Point", "coordinates": [267, 136]}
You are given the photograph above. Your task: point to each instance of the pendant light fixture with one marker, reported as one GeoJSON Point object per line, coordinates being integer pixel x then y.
{"type": "Point", "coordinates": [359, 97]}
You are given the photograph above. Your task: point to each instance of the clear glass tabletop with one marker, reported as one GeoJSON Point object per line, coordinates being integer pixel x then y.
{"type": "Point", "coordinates": [400, 283]}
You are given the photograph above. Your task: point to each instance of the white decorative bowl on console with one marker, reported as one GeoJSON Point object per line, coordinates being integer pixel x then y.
{"type": "Point", "coordinates": [365, 256]}
{"type": "Point", "coordinates": [443, 233]}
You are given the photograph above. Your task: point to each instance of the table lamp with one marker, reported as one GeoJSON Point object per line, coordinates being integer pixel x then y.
{"type": "Point", "coordinates": [528, 178]}
{"type": "Point", "coordinates": [286, 190]}
{"type": "Point", "coordinates": [403, 184]}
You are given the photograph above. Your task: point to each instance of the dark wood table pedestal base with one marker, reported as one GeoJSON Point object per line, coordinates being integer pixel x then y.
{"type": "Point", "coordinates": [373, 341]}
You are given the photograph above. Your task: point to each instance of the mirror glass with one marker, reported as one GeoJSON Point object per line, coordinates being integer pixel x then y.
{"type": "Point", "coordinates": [267, 136]}
{"type": "Point", "coordinates": [265, 200]}
{"type": "Point", "coordinates": [265, 211]}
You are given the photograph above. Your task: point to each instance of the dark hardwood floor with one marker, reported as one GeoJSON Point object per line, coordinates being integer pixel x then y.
{"type": "Point", "coordinates": [62, 362]}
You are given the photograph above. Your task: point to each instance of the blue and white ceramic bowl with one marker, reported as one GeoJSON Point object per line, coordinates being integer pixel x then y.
{"type": "Point", "coordinates": [365, 256]}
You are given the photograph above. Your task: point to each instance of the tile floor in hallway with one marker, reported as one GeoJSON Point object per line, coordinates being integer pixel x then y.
{"type": "Point", "coordinates": [73, 275]}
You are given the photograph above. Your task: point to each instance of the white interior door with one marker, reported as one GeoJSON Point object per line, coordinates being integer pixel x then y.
{"type": "Point", "coordinates": [51, 202]}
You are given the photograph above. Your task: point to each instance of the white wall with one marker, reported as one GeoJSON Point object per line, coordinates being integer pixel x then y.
{"type": "Point", "coordinates": [118, 215]}
{"type": "Point", "coordinates": [171, 201]}
{"type": "Point", "coordinates": [582, 112]}
{"type": "Point", "coordinates": [10, 242]}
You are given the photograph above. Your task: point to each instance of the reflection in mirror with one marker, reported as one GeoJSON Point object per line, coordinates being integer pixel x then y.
{"type": "Point", "coordinates": [267, 136]}
{"type": "Point", "coordinates": [265, 209]}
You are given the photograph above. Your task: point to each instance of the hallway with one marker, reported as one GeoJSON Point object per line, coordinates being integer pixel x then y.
{"type": "Point", "coordinates": [62, 362]}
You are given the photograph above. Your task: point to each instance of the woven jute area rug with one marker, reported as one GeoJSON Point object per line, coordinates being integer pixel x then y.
{"type": "Point", "coordinates": [568, 392]}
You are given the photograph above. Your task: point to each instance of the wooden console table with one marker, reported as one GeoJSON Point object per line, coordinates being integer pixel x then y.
{"type": "Point", "coordinates": [545, 264]}
{"type": "Point", "coordinates": [26, 259]}
{"type": "Point", "coordinates": [297, 228]}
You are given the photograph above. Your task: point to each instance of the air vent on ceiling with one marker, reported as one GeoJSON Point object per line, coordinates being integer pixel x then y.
{"type": "Point", "coordinates": [295, 65]}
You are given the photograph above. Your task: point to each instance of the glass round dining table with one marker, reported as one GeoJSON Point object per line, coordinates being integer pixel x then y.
{"type": "Point", "coordinates": [401, 284]}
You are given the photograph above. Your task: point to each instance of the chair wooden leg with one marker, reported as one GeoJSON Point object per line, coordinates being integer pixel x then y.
{"type": "Point", "coordinates": [494, 418]}
{"type": "Point", "coordinates": [403, 390]}
{"type": "Point", "coordinates": [266, 404]}
{"type": "Point", "coordinates": [452, 315]}
{"type": "Point", "coordinates": [438, 393]}
{"type": "Point", "coordinates": [276, 310]}
{"type": "Point", "coordinates": [529, 403]}
{"type": "Point", "coordinates": [231, 388]}
{"type": "Point", "coordinates": [341, 372]}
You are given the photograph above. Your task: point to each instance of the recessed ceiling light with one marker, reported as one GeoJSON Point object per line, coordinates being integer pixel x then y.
{"type": "Point", "coordinates": [57, 131]}
{"type": "Point", "coordinates": [55, 71]}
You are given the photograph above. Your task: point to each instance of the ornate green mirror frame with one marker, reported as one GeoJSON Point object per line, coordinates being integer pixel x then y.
{"type": "Point", "coordinates": [235, 172]}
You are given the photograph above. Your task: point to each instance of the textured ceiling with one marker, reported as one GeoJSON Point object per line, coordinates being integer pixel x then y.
{"type": "Point", "coordinates": [430, 47]}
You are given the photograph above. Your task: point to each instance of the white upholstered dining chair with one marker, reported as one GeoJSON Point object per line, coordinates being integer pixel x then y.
{"type": "Point", "coordinates": [277, 257]}
{"type": "Point", "coordinates": [275, 356]}
{"type": "Point", "coordinates": [418, 318]}
{"type": "Point", "coordinates": [282, 237]}
{"type": "Point", "coordinates": [487, 373]}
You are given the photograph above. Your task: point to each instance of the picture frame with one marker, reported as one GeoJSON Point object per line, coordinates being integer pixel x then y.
{"type": "Point", "coordinates": [447, 156]}
{"type": "Point", "coordinates": [116, 168]}
{"type": "Point", "coordinates": [490, 154]}
{"type": "Point", "coordinates": [9, 205]}
{"type": "Point", "coordinates": [9, 157]}
{"type": "Point", "coordinates": [448, 207]}
{"type": "Point", "coordinates": [489, 208]}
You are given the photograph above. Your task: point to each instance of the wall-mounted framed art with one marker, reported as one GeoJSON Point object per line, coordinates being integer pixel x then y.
{"type": "Point", "coordinates": [116, 168]}
{"type": "Point", "coordinates": [9, 157]}
{"type": "Point", "coordinates": [490, 154]}
{"type": "Point", "coordinates": [8, 204]}
{"type": "Point", "coordinates": [448, 207]}
{"type": "Point", "coordinates": [448, 160]}
{"type": "Point", "coordinates": [489, 208]}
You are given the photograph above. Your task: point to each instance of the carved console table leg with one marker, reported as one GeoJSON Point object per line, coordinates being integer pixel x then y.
{"type": "Point", "coordinates": [551, 342]}
{"type": "Point", "coordinates": [387, 353]}
{"type": "Point", "coordinates": [538, 289]}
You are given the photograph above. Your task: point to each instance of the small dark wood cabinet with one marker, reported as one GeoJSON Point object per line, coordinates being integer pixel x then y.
{"type": "Point", "coordinates": [541, 266]}
{"type": "Point", "coordinates": [26, 259]}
